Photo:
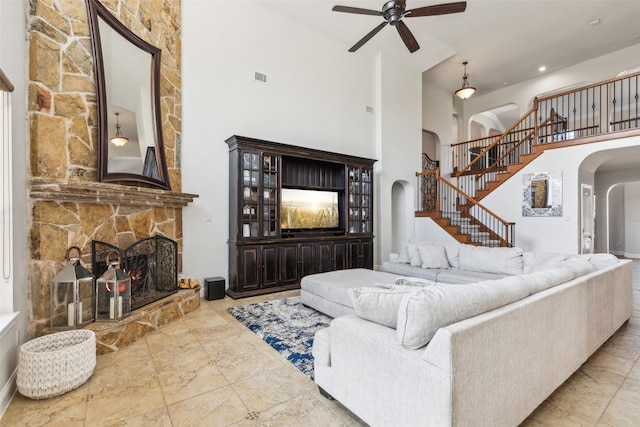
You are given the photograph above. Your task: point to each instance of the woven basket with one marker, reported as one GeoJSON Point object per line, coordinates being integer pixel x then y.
{"type": "Point", "coordinates": [57, 363]}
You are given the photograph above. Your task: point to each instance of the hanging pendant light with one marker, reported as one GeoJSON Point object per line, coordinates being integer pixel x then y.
{"type": "Point", "coordinates": [465, 91]}
{"type": "Point", "coordinates": [119, 140]}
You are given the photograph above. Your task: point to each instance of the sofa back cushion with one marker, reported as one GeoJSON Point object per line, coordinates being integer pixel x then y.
{"type": "Point", "coordinates": [421, 313]}
{"type": "Point", "coordinates": [380, 303]}
{"type": "Point", "coordinates": [599, 260]}
{"type": "Point", "coordinates": [538, 261]}
{"type": "Point", "coordinates": [491, 260]}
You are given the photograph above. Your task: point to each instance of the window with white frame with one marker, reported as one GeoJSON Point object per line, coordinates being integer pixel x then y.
{"type": "Point", "coordinates": [6, 230]}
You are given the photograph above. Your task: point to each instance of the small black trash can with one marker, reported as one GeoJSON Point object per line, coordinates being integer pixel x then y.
{"type": "Point", "coordinates": [214, 288]}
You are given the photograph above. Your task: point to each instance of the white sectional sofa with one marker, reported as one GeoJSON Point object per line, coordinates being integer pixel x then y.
{"type": "Point", "coordinates": [422, 353]}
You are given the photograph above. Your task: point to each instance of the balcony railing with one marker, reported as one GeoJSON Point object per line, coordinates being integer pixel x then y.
{"type": "Point", "coordinates": [608, 107]}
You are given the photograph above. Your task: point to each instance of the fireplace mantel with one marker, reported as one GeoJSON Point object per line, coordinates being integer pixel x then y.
{"type": "Point", "coordinates": [106, 193]}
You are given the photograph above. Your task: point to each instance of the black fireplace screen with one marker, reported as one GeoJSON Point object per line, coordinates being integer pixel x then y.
{"type": "Point", "coordinates": [152, 264]}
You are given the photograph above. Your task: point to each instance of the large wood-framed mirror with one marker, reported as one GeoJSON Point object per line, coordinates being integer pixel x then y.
{"type": "Point", "coordinates": [127, 75]}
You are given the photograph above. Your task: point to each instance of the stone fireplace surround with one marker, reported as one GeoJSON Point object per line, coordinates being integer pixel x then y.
{"type": "Point", "coordinates": [79, 212]}
{"type": "Point", "coordinates": [67, 206]}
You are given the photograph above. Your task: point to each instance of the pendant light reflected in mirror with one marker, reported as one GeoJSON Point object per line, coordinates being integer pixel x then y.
{"type": "Point", "coordinates": [119, 140]}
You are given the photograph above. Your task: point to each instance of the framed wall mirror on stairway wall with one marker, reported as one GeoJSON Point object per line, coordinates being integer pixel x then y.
{"type": "Point", "coordinates": [127, 75]}
{"type": "Point", "coordinates": [542, 194]}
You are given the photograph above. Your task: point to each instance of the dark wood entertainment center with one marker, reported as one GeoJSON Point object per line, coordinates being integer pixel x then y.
{"type": "Point", "coordinates": [264, 256]}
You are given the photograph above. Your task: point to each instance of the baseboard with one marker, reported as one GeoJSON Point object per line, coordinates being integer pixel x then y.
{"type": "Point", "coordinates": [8, 359]}
{"type": "Point", "coordinates": [617, 253]}
{"type": "Point", "coordinates": [7, 393]}
{"type": "Point", "coordinates": [631, 255]}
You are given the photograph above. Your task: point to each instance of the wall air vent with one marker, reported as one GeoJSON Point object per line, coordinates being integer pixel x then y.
{"type": "Point", "coordinates": [259, 77]}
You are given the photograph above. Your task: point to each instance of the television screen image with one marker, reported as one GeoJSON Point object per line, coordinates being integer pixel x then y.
{"type": "Point", "coordinates": [309, 209]}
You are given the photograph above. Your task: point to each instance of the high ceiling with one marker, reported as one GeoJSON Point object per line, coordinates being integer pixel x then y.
{"type": "Point", "coordinates": [505, 41]}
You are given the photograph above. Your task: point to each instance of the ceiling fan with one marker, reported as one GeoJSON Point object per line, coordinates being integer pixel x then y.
{"type": "Point", "coordinates": [393, 11]}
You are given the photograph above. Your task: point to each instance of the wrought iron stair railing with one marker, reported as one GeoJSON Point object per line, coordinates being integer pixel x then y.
{"type": "Point", "coordinates": [465, 218]}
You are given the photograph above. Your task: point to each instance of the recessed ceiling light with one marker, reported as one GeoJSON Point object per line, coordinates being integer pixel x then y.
{"type": "Point", "coordinates": [594, 22]}
{"type": "Point", "coordinates": [542, 68]}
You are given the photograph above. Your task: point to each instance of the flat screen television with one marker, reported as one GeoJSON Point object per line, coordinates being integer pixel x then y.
{"type": "Point", "coordinates": [307, 210]}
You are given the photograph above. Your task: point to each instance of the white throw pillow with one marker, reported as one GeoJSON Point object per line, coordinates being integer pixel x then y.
{"type": "Point", "coordinates": [404, 254]}
{"type": "Point", "coordinates": [433, 256]}
{"type": "Point", "coordinates": [423, 312]}
{"type": "Point", "coordinates": [379, 303]}
{"type": "Point", "coordinates": [453, 252]}
{"type": "Point", "coordinates": [414, 255]}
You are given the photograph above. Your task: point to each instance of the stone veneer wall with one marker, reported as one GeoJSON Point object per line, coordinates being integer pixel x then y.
{"type": "Point", "coordinates": [67, 206]}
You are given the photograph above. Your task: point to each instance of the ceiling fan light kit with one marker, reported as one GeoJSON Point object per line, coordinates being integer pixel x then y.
{"type": "Point", "coordinates": [466, 90]}
{"type": "Point", "coordinates": [393, 12]}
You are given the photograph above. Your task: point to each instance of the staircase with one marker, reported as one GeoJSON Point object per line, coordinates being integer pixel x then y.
{"type": "Point", "coordinates": [594, 113]}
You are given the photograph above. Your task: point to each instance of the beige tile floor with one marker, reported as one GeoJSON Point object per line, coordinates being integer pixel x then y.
{"type": "Point", "coordinates": [207, 369]}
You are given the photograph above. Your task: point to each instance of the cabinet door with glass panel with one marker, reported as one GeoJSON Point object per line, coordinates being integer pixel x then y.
{"type": "Point", "coordinates": [260, 175]}
{"type": "Point", "coordinates": [360, 200]}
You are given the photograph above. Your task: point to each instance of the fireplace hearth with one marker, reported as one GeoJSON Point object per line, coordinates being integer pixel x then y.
{"type": "Point", "coordinates": [151, 263]}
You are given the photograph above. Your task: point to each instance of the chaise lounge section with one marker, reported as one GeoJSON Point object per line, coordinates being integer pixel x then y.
{"type": "Point", "coordinates": [480, 354]}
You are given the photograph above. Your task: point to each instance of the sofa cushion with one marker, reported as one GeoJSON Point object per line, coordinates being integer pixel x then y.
{"type": "Point", "coordinates": [599, 261]}
{"type": "Point", "coordinates": [433, 256]}
{"type": "Point", "coordinates": [491, 260]}
{"type": "Point", "coordinates": [536, 261]}
{"type": "Point", "coordinates": [454, 275]}
{"type": "Point", "coordinates": [379, 303]}
{"type": "Point", "coordinates": [538, 281]}
{"type": "Point", "coordinates": [407, 270]}
{"type": "Point", "coordinates": [423, 312]}
{"type": "Point", "coordinates": [579, 266]}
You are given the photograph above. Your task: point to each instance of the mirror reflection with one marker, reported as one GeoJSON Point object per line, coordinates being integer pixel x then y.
{"type": "Point", "coordinates": [127, 73]}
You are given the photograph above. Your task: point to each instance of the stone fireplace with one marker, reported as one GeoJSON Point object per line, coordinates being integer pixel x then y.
{"type": "Point", "coordinates": [67, 205]}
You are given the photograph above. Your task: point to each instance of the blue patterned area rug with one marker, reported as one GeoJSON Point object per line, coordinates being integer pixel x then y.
{"type": "Point", "coordinates": [286, 325]}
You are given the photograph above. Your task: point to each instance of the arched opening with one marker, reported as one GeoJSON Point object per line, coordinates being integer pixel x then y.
{"type": "Point", "coordinates": [430, 144]}
{"type": "Point", "coordinates": [494, 121]}
{"type": "Point", "coordinates": [616, 182]}
{"type": "Point", "coordinates": [401, 214]}
{"type": "Point", "coordinates": [623, 227]}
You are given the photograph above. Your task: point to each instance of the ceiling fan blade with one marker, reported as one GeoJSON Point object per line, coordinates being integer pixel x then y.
{"type": "Point", "coordinates": [438, 9]}
{"type": "Point", "coordinates": [366, 38]}
{"type": "Point", "coordinates": [358, 10]}
{"type": "Point", "coordinates": [407, 37]}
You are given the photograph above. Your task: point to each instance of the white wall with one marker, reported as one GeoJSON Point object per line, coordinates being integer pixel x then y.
{"type": "Point", "coordinates": [316, 96]}
{"type": "Point", "coordinates": [13, 56]}
{"type": "Point", "coordinates": [399, 144]}
{"type": "Point", "coordinates": [437, 110]}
